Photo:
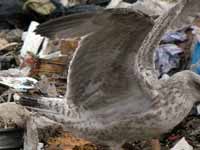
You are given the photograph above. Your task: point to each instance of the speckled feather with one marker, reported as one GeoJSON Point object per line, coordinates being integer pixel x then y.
{"type": "Point", "coordinates": [113, 93]}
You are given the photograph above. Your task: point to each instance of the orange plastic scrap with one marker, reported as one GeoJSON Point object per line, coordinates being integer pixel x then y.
{"type": "Point", "coordinates": [68, 142]}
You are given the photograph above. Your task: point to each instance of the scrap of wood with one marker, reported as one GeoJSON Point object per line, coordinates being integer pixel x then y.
{"type": "Point", "coordinates": [50, 66]}
{"type": "Point", "coordinates": [9, 46]}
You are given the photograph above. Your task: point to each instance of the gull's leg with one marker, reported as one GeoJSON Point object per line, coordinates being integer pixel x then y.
{"type": "Point", "coordinates": [155, 143]}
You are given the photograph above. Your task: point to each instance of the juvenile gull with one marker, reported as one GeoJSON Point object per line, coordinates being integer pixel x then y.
{"type": "Point", "coordinates": [113, 91]}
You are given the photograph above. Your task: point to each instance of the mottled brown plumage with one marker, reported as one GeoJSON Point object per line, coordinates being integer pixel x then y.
{"type": "Point", "coordinates": [113, 93]}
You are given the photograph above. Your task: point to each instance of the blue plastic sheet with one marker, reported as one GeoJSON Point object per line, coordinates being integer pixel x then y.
{"type": "Point", "coordinates": [196, 58]}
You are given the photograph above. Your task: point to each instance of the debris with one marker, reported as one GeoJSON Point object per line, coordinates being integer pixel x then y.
{"type": "Point", "coordinates": [165, 77]}
{"type": "Point", "coordinates": [29, 61]}
{"type": "Point", "coordinates": [47, 87]}
{"type": "Point", "coordinates": [13, 115]}
{"type": "Point", "coordinates": [13, 35]}
{"type": "Point", "coordinates": [8, 46]}
{"type": "Point", "coordinates": [19, 13]}
{"type": "Point", "coordinates": [68, 46]}
{"type": "Point", "coordinates": [56, 48]}
{"type": "Point", "coordinates": [196, 59]}
{"type": "Point", "coordinates": [174, 36]}
{"type": "Point", "coordinates": [195, 66]}
{"type": "Point", "coordinates": [53, 57]}
{"type": "Point", "coordinates": [196, 32]}
{"type": "Point", "coordinates": [7, 62]}
{"type": "Point", "coordinates": [15, 72]}
{"type": "Point", "coordinates": [11, 138]}
{"type": "Point", "coordinates": [33, 42]}
{"type": "Point", "coordinates": [174, 52]}
{"type": "Point", "coordinates": [182, 145]}
{"type": "Point", "coordinates": [118, 4]}
{"type": "Point", "coordinates": [12, 14]}
{"type": "Point", "coordinates": [150, 7]}
{"type": "Point", "coordinates": [3, 43]}
{"type": "Point", "coordinates": [167, 57]}
{"type": "Point", "coordinates": [198, 109]}
{"type": "Point", "coordinates": [39, 129]}
{"type": "Point", "coordinates": [69, 3]}
{"type": "Point", "coordinates": [19, 83]}
{"type": "Point", "coordinates": [50, 66]}
{"type": "Point", "coordinates": [66, 141]}
{"type": "Point", "coordinates": [40, 146]}
{"type": "Point", "coordinates": [173, 137]}
{"type": "Point", "coordinates": [43, 7]}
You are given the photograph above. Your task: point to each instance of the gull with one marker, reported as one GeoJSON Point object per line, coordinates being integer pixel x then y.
{"type": "Point", "coordinates": [113, 91]}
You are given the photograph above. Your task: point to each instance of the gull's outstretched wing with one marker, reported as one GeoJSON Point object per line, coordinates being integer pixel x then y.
{"type": "Point", "coordinates": [101, 72]}
{"type": "Point", "coordinates": [74, 25]}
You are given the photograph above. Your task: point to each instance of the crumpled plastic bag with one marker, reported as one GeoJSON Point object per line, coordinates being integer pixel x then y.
{"type": "Point", "coordinates": [174, 36]}
{"type": "Point", "coordinates": [167, 57]}
{"type": "Point", "coordinates": [43, 7]}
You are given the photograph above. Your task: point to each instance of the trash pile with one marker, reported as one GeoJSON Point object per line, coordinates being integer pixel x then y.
{"type": "Point", "coordinates": [33, 67]}
{"type": "Point", "coordinates": [39, 65]}
{"type": "Point", "coordinates": [173, 53]}
{"type": "Point", "coordinates": [179, 50]}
